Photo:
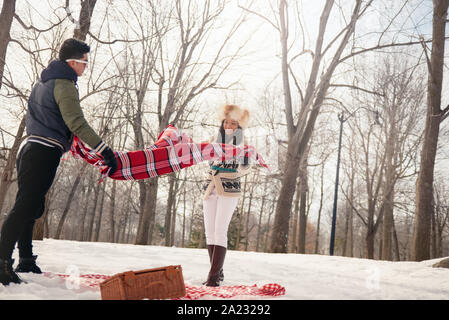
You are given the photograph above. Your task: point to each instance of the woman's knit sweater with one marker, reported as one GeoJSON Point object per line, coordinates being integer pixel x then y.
{"type": "Point", "coordinates": [224, 177]}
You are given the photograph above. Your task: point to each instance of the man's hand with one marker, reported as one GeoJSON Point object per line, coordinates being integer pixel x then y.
{"type": "Point", "coordinates": [109, 159]}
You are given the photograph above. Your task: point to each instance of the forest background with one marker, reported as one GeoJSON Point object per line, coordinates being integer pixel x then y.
{"type": "Point", "coordinates": [304, 69]}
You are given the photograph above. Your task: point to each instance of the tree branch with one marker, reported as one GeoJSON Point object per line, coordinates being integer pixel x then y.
{"type": "Point", "coordinates": [355, 88]}
{"type": "Point", "coordinates": [445, 113]}
{"type": "Point", "coordinates": [378, 47]}
{"type": "Point", "coordinates": [33, 27]}
{"type": "Point", "coordinates": [260, 16]}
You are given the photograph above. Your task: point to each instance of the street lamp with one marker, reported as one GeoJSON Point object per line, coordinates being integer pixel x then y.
{"type": "Point", "coordinates": [334, 212]}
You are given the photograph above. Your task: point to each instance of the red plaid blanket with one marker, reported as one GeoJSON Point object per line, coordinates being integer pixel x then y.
{"type": "Point", "coordinates": [192, 292]}
{"type": "Point", "coordinates": [174, 150]}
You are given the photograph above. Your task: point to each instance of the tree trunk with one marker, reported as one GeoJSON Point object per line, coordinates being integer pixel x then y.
{"type": "Point", "coordinates": [40, 224]}
{"type": "Point", "coordinates": [88, 235]}
{"type": "Point", "coordinates": [420, 249]}
{"type": "Point", "coordinates": [82, 214]}
{"type": "Point", "coordinates": [320, 209]}
{"type": "Point", "coordinates": [351, 227]}
{"type": "Point", "coordinates": [369, 241]}
{"type": "Point", "coordinates": [173, 223]}
{"type": "Point", "coordinates": [152, 197]}
{"type": "Point", "coordinates": [348, 247]}
{"type": "Point", "coordinates": [390, 177]}
{"type": "Point", "coordinates": [100, 215]}
{"type": "Point", "coordinates": [351, 211]}
{"type": "Point", "coordinates": [259, 229]}
{"type": "Point", "coordinates": [124, 219]}
{"type": "Point", "coordinates": [295, 221]}
{"type": "Point", "coordinates": [248, 215]}
{"type": "Point", "coordinates": [81, 210]}
{"type": "Point", "coordinates": [69, 202]}
{"type": "Point", "coordinates": [147, 215]}
{"type": "Point", "coordinates": [173, 213]}
{"type": "Point", "coordinates": [112, 212]}
{"type": "Point", "coordinates": [388, 228]}
{"type": "Point", "coordinates": [303, 190]}
{"type": "Point", "coordinates": [240, 216]}
{"type": "Point", "coordinates": [346, 232]}
{"type": "Point", "coordinates": [8, 171]}
{"type": "Point", "coordinates": [284, 204]}
{"type": "Point", "coordinates": [169, 209]}
{"type": "Point", "coordinates": [85, 211]}
{"type": "Point", "coordinates": [87, 9]}
{"type": "Point", "coordinates": [397, 256]}
{"type": "Point", "coordinates": [6, 17]}
{"type": "Point", "coordinates": [433, 238]}
{"type": "Point", "coordinates": [269, 231]}
{"type": "Point", "coordinates": [183, 216]}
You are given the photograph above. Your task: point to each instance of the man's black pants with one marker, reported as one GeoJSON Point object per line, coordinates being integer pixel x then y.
{"type": "Point", "coordinates": [36, 169]}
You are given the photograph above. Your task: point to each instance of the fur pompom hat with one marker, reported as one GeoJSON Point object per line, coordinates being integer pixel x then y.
{"type": "Point", "coordinates": [235, 113]}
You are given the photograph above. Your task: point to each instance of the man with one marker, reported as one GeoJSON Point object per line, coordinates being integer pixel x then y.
{"type": "Point", "coordinates": [54, 116]}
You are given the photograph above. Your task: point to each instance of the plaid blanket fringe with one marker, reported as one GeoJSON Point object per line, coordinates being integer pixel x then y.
{"type": "Point", "coordinates": [173, 151]}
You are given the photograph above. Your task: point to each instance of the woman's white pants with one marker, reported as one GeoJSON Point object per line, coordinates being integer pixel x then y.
{"type": "Point", "coordinates": [218, 212]}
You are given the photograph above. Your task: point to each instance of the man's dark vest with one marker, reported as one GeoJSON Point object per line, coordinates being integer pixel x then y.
{"type": "Point", "coordinates": [43, 117]}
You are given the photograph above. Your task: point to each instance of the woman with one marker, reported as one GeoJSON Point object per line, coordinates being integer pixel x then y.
{"type": "Point", "coordinates": [222, 190]}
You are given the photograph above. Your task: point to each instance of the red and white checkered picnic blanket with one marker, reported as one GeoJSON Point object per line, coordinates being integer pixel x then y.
{"type": "Point", "coordinates": [174, 150]}
{"type": "Point", "coordinates": [226, 292]}
{"type": "Point", "coordinates": [192, 292]}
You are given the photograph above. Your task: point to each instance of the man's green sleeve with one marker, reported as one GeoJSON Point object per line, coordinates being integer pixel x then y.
{"type": "Point", "coordinates": [67, 98]}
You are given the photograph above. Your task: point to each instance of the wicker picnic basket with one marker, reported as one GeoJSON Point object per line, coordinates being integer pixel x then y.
{"type": "Point", "coordinates": [158, 283]}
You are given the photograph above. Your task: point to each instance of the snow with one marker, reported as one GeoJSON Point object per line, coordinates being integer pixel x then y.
{"type": "Point", "coordinates": [304, 276]}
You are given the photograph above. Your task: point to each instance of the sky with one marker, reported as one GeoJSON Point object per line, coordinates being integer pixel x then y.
{"type": "Point", "coordinates": [260, 65]}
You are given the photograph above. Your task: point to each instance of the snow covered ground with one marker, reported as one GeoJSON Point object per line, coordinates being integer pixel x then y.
{"type": "Point", "coordinates": [311, 277]}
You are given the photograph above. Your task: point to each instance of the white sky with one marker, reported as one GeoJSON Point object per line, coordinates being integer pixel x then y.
{"type": "Point", "coordinates": [262, 65]}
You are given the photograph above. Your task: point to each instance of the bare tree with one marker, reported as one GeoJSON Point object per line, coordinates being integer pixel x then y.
{"type": "Point", "coordinates": [6, 18]}
{"type": "Point", "coordinates": [8, 11]}
{"type": "Point", "coordinates": [301, 125]}
{"type": "Point", "coordinates": [400, 102]}
{"type": "Point", "coordinates": [170, 213]}
{"type": "Point", "coordinates": [69, 201]}
{"type": "Point", "coordinates": [420, 249]}
{"type": "Point", "coordinates": [300, 133]}
{"type": "Point", "coordinates": [386, 137]}
{"type": "Point", "coordinates": [180, 80]}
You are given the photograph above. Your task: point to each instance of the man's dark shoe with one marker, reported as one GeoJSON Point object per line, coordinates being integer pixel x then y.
{"type": "Point", "coordinates": [7, 275]}
{"type": "Point", "coordinates": [28, 265]}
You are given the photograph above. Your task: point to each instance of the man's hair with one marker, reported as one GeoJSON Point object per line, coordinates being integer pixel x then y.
{"type": "Point", "coordinates": [73, 49]}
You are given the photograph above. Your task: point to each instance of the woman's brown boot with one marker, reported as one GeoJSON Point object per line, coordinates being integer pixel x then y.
{"type": "Point", "coordinates": [216, 269]}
